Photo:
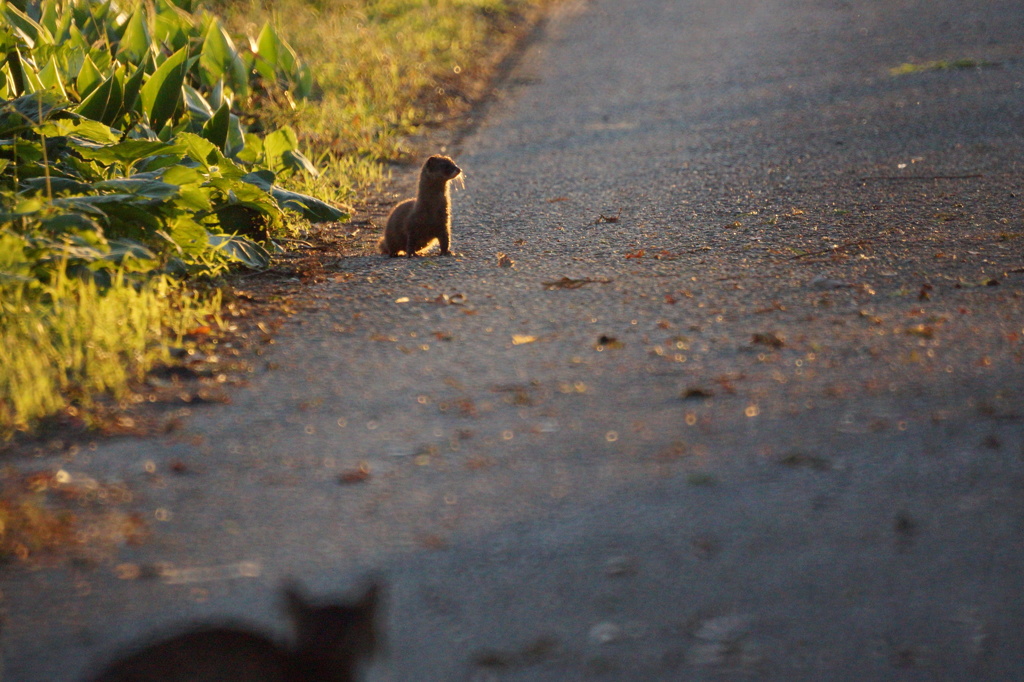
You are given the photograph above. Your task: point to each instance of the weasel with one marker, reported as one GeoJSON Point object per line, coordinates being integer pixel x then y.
{"type": "Point", "coordinates": [331, 642]}
{"type": "Point", "coordinates": [414, 224]}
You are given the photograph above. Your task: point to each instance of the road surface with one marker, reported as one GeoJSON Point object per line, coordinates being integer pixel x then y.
{"type": "Point", "coordinates": [744, 398]}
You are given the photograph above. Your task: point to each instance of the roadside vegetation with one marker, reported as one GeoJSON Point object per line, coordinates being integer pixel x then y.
{"type": "Point", "coordinates": [148, 148]}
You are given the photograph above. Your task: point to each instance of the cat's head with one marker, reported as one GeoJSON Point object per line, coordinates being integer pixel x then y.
{"type": "Point", "coordinates": [332, 639]}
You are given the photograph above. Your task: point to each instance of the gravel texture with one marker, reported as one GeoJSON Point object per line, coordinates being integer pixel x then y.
{"type": "Point", "coordinates": [725, 382]}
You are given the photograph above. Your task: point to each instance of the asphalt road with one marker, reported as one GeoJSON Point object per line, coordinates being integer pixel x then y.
{"type": "Point", "coordinates": [776, 433]}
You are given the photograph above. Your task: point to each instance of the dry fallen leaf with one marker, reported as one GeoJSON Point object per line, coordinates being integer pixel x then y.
{"type": "Point", "coordinates": [608, 342]}
{"type": "Point", "coordinates": [454, 299]}
{"type": "Point", "coordinates": [504, 261]}
{"type": "Point", "coordinates": [769, 339]}
{"type": "Point", "coordinates": [695, 392]}
{"type": "Point", "coordinates": [357, 475]}
{"type": "Point", "coordinates": [520, 339]}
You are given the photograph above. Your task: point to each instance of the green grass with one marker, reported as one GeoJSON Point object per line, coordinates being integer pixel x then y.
{"type": "Point", "coordinates": [65, 343]}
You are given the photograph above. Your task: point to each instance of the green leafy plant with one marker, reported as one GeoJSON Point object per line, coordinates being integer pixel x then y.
{"type": "Point", "coordinates": [125, 166]}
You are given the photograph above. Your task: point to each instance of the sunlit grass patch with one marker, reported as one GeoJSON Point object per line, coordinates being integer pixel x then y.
{"type": "Point", "coordinates": [66, 342]}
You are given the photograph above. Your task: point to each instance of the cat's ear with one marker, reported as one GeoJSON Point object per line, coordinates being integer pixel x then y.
{"type": "Point", "coordinates": [372, 596]}
{"type": "Point", "coordinates": [295, 602]}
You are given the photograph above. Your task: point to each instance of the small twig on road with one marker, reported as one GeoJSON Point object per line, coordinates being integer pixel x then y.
{"type": "Point", "coordinates": [567, 283]}
{"type": "Point", "coordinates": [834, 249]}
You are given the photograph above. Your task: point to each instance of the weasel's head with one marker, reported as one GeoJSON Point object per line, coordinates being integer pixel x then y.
{"type": "Point", "coordinates": [441, 167]}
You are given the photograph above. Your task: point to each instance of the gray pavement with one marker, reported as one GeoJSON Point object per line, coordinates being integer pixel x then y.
{"type": "Point", "coordinates": [778, 434]}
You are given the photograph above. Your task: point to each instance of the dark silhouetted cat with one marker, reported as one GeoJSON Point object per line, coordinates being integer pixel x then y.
{"type": "Point", "coordinates": [331, 642]}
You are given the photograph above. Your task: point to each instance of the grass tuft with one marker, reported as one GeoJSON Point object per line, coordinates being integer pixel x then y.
{"type": "Point", "coordinates": [64, 343]}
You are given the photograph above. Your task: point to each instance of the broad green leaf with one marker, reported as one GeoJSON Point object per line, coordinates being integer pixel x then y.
{"type": "Point", "coordinates": [241, 249]}
{"type": "Point", "coordinates": [199, 109]}
{"type": "Point", "coordinates": [304, 82]}
{"type": "Point", "coordinates": [236, 136]}
{"type": "Point", "coordinates": [216, 129]}
{"type": "Point", "coordinates": [142, 188]}
{"type": "Point", "coordinates": [134, 220]}
{"type": "Point", "coordinates": [88, 78]}
{"type": "Point", "coordinates": [216, 97]}
{"type": "Point", "coordinates": [276, 144]}
{"type": "Point", "coordinates": [191, 237]}
{"type": "Point", "coordinates": [135, 42]}
{"type": "Point", "coordinates": [199, 149]}
{"type": "Point", "coordinates": [158, 162]}
{"type": "Point", "coordinates": [171, 25]}
{"type": "Point", "coordinates": [72, 222]}
{"type": "Point", "coordinates": [252, 149]}
{"type": "Point", "coordinates": [133, 86]}
{"type": "Point", "coordinates": [132, 255]}
{"type": "Point", "coordinates": [195, 199]}
{"type": "Point", "coordinates": [182, 175]}
{"type": "Point", "coordinates": [311, 208]}
{"type": "Point", "coordinates": [28, 110]}
{"type": "Point", "coordinates": [30, 31]}
{"type": "Point", "coordinates": [294, 160]}
{"type": "Point", "coordinates": [70, 59]}
{"type": "Point", "coordinates": [15, 66]}
{"type": "Point", "coordinates": [161, 95]}
{"type": "Point", "coordinates": [267, 46]}
{"type": "Point", "coordinates": [220, 59]}
{"type": "Point", "coordinates": [31, 78]}
{"type": "Point", "coordinates": [49, 77]}
{"type": "Point", "coordinates": [59, 185]}
{"type": "Point", "coordinates": [129, 151]}
{"type": "Point", "coordinates": [76, 40]}
{"type": "Point", "coordinates": [264, 179]}
{"type": "Point", "coordinates": [81, 128]}
{"type": "Point", "coordinates": [105, 103]}
{"type": "Point", "coordinates": [55, 21]}
{"type": "Point", "coordinates": [287, 60]}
